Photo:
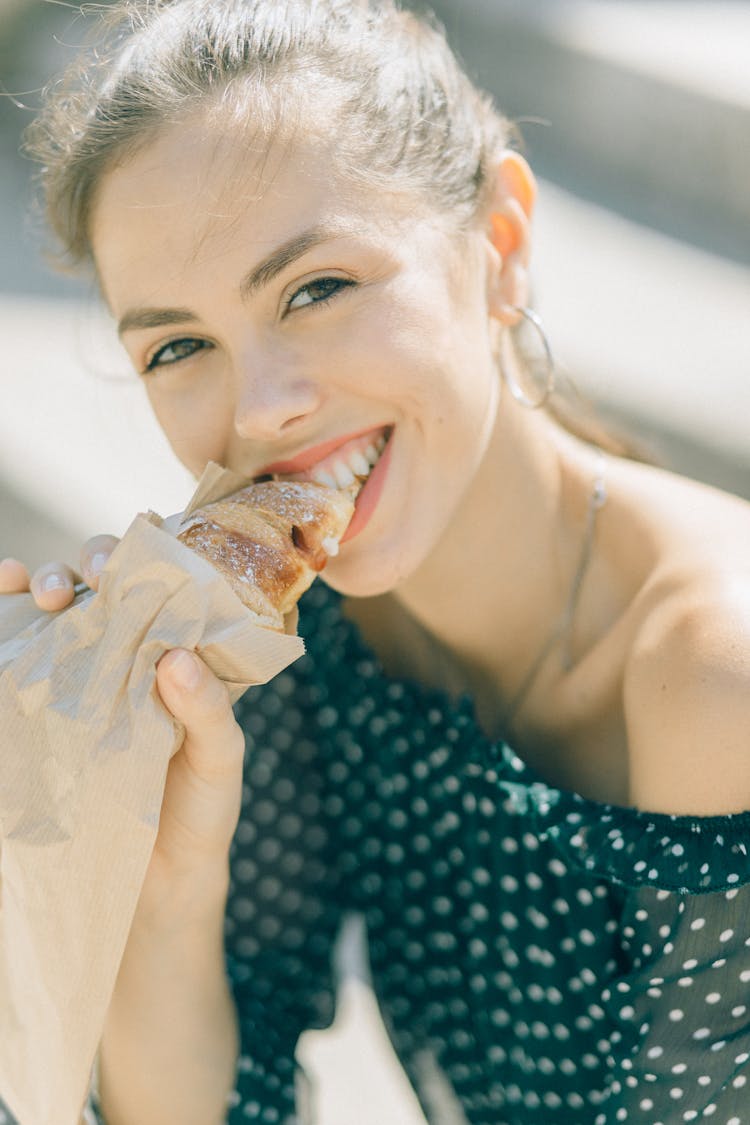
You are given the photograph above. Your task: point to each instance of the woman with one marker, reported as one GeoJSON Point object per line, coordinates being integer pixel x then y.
{"type": "Point", "coordinates": [315, 241]}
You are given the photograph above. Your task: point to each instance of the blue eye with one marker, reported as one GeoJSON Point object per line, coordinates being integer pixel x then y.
{"type": "Point", "coordinates": [318, 292]}
{"type": "Point", "coordinates": [175, 351]}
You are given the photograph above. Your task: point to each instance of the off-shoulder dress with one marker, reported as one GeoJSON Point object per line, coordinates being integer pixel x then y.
{"type": "Point", "coordinates": [556, 960]}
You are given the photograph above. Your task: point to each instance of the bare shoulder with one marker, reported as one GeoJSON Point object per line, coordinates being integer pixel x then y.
{"type": "Point", "coordinates": [687, 699]}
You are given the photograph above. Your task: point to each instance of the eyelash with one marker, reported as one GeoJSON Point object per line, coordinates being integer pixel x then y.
{"type": "Point", "coordinates": [341, 283]}
{"type": "Point", "coordinates": [153, 363]}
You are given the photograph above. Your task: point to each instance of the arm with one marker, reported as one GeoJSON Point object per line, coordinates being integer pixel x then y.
{"type": "Point", "coordinates": [169, 1047]}
{"type": "Point", "coordinates": [170, 1043]}
{"type": "Point", "coordinates": [280, 923]}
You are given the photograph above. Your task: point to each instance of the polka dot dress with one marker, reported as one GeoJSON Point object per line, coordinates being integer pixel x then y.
{"type": "Point", "coordinates": [555, 960]}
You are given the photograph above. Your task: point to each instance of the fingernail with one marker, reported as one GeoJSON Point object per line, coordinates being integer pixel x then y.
{"type": "Point", "coordinates": [54, 582]}
{"type": "Point", "coordinates": [186, 669]}
{"type": "Point", "coordinates": [97, 563]}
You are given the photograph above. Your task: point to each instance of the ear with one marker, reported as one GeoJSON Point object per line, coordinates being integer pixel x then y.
{"type": "Point", "coordinates": [508, 232]}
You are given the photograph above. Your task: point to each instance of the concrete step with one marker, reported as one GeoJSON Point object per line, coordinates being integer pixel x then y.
{"type": "Point", "coordinates": [654, 331]}
{"type": "Point", "coordinates": [78, 442]}
{"type": "Point", "coordinates": [640, 104]}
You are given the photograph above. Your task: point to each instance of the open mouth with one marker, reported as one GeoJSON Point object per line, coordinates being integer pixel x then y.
{"type": "Point", "coordinates": [359, 466]}
{"type": "Point", "coordinates": [348, 467]}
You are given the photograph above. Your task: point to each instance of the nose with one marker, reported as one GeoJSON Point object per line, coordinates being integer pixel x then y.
{"type": "Point", "coordinates": [273, 403]}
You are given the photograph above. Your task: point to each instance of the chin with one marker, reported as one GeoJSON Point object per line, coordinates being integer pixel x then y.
{"type": "Point", "coordinates": [359, 575]}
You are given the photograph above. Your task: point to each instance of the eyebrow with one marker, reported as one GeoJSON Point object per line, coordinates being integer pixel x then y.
{"type": "Point", "coordinates": [283, 256]}
{"type": "Point", "coordinates": [153, 318]}
{"type": "Point", "coordinates": [258, 277]}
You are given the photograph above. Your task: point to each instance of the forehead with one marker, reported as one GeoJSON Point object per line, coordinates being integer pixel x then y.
{"type": "Point", "coordinates": [190, 192]}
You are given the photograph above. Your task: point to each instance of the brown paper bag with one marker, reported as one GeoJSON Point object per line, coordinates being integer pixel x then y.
{"type": "Point", "coordinates": [84, 747]}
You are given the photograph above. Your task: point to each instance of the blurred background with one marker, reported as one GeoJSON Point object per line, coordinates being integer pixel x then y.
{"type": "Point", "coordinates": [635, 114]}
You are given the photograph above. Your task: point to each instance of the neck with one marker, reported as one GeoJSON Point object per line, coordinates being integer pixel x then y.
{"type": "Point", "coordinates": [510, 554]}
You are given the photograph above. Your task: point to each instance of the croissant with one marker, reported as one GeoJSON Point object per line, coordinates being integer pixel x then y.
{"type": "Point", "coordinates": [270, 540]}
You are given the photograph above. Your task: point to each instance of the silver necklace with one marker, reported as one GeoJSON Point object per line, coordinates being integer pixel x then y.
{"type": "Point", "coordinates": [562, 632]}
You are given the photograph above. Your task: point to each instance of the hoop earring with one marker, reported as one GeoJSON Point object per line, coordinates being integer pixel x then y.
{"type": "Point", "coordinates": [549, 379]}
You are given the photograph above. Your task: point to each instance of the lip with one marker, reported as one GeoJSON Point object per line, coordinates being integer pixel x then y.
{"type": "Point", "coordinates": [310, 457]}
{"type": "Point", "coordinates": [369, 497]}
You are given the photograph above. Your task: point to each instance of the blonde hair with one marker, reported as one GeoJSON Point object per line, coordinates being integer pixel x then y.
{"type": "Point", "coordinates": [403, 113]}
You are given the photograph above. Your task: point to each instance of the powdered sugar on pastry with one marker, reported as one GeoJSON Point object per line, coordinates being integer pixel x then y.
{"type": "Point", "coordinates": [270, 540]}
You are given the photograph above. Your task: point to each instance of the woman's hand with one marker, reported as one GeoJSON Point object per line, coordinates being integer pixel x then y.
{"type": "Point", "coordinates": [204, 784]}
{"type": "Point", "coordinates": [53, 585]}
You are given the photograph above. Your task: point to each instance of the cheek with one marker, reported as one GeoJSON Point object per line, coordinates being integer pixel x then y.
{"type": "Point", "coordinates": [197, 426]}
{"type": "Point", "coordinates": [394, 350]}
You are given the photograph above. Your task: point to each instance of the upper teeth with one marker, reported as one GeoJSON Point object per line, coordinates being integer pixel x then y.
{"type": "Point", "coordinates": [343, 471]}
{"type": "Point", "coordinates": [322, 477]}
{"type": "Point", "coordinates": [359, 464]}
{"type": "Point", "coordinates": [343, 474]}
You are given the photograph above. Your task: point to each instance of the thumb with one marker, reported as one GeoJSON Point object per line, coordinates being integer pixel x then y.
{"type": "Point", "coordinates": [214, 744]}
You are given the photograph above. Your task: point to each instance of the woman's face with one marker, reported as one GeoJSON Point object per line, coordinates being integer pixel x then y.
{"type": "Point", "coordinates": [285, 321]}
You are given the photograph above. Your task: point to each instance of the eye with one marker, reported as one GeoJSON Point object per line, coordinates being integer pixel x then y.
{"type": "Point", "coordinates": [318, 292]}
{"type": "Point", "coordinates": [175, 351]}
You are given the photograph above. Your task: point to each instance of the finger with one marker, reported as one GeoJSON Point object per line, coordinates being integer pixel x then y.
{"type": "Point", "coordinates": [214, 744]}
{"type": "Point", "coordinates": [14, 577]}
{"type": "Point", "coordinates": [52, 586]}
{"type": "Point", "coordinates": [94, 556]}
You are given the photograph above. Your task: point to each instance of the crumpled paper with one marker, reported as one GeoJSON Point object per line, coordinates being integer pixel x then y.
{"type": "Point", "coordinates": [84, 747]}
